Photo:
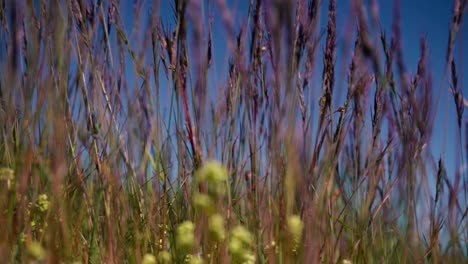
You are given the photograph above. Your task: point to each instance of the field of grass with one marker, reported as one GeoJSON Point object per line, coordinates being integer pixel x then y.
{"type": "Point", "coordinates": [129, 144]}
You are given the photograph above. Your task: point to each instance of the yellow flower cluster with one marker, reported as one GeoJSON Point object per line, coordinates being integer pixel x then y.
{"type": "Point", "coordinates": [240, 246]}
{"type": "Point", "coordinates": [215, 175]}
{"type": "Point", "coordinates": [43, 203]}
{"type": "Point", "coordinates": [164, 257]}
{"type": "Point", "coordinates": [7, 175]}
{"type": "Point", "coordinates": [185, 235]}
{"type": "Point", "coordinates": [216, 227]}
{"type": "Point", "coordinates": [295, 227]}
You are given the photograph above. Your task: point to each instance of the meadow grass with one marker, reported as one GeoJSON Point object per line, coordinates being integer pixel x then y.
{"type": "Point", "coordinates": [119, 145]}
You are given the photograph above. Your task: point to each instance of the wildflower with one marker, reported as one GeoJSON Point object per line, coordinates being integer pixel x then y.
{"type": "Point", "coordinates": [195, 259]}
{"type": "Point", "coordinates": [216, 227]}
{"type": "Point", "coordinates": [242, 234]}
{"type": "Point", "coordinates": [271, 245]}
{"type": "Point", "coordinates": [164, 257]}
{"type": "Point", "coordinates": [204, 203]}
{"type": "Point", "coordinates": [248, 258]}
{"type": "Point", "coordinates": [240, 246]}
{"type": "Point", "coordinates": [185, 236]}
{"type": "Point", "coordinates": [215, 175]}
{"type": "Point", "coordinates": [22, 237]}
{"type": "Point", "coordinates": [36, 251]}
{"type": "Point", "coordinates": [8, 175]}
{"type": "Point", "coordinates": [149, 259]}
{"type": "Point", "coordinates": [295, 227]}
{"type": "Point", "coordinates": [43, 203]}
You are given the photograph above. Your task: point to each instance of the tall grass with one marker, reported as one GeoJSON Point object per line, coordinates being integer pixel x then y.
{"type": "Point", "coordinates": [123, 144]}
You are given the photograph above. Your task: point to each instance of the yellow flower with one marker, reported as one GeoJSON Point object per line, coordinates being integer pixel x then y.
{"type": "Point", "coordinates": [204, 203]}
{"type": "Point", "coordinates": [240, 246]}
{"type": "Point", "coordinates": [149, 259]}
{"type": "Point", "coordinates": [185, 236]}
{"type": "Point", "coordinates": [8, 175]}
{"type": "Point", "coordinates": [36, 251]}
{"type": "Point", "coordinates": [195, 259]}
{"type": "Point", "coordinates": [216, 227]}
{"type": "Point", "coordinates": [164, 257]}
{"type": "Point", "coordinates": [215, 175]}
{"type": "Point", "coordinates": [295, 227]}
{"type": "Point", "coordinates": [43, 203]}
{"type": "Point", "coordinates": [22, 237]}
{"type": "Point", "coordinates": [242, 234]}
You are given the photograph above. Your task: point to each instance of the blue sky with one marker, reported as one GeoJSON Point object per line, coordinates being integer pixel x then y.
{"type": "Point", "coordinates": [419, 18]}
{"type": "Point", "coordinates": [431, 19]}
